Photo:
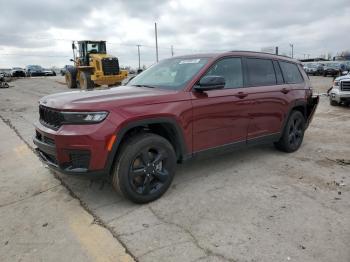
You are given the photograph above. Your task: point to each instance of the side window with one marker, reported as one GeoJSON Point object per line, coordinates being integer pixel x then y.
{"type": "Point", "coordinates": [291, 73]}
{"type": "Point", "coordinates": [260, 72]}
{"type": "Point", "coordinates": [230, 69]}
{"type": "Point", "coordinates": [278, 71]}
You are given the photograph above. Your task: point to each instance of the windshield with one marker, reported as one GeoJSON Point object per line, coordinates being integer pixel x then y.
{"type": "Point", "coordinates": [172, 73]}
{"type": "Point", "coordinates": [35, 67]}
{"type": "Point", "coordinates": [98, 48]}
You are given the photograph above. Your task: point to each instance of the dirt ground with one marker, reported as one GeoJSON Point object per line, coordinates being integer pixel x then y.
{"type": "Point", "coordinates": [256, 204]}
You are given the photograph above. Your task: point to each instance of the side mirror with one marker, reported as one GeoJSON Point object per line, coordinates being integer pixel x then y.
{"type": "Point", "coordinates": [345, 72]}
{"type": "Point", "coordinates": [71, 60]}
{"type": "Point", "coordinates": [210, 83]}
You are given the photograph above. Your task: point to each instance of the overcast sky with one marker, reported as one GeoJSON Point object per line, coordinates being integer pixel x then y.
{"type": "Point", "coordinates": [40, 31]}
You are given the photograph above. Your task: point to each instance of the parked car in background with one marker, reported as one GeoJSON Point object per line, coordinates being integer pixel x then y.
{"type": "Point", "coordinates": [314, 68]}
{"type": "Point", "coordinates": [34, 70]}
{"type": "Point", "coordinates": [333, 69]}
{"type": "Point", "coordinates": [340, 92]}
{"type": "Point", "coordinates": [49, 72]}
{"type": "Point", "coordinates": [179, 108]}
{"type": "Point", "coordinates": [347, 65]}
{"type": "Point", "coordinates": [64, 69]}
{"type": "Point", "coordinates": [18, 72]}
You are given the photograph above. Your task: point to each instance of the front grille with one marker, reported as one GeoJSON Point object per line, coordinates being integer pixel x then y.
{"type": "Point", "coordinates": [110, 66]}
{"type": "Point", "coordinates": [345, 85]}
{"type": "Point", "coordinates": [50, 117]}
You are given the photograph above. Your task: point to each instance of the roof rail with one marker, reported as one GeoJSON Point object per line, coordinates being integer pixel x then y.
{"type": "Point", "coordinates": [257, 52]}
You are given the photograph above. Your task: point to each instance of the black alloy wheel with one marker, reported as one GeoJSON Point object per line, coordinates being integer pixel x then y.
{"type": "Point", "coordinates": [144, 168]}
{"type": "Point", "coordinates": [148, 171]}
{"type": "Point", "coordinates": [293, 133]}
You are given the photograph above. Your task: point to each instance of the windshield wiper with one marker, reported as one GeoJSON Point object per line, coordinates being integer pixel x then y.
{"type": "Point", "coordinates": [149, 86]}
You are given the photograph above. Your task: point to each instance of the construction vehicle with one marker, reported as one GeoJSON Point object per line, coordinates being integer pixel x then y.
{"type": "Point", "coordinates": [93, 66]}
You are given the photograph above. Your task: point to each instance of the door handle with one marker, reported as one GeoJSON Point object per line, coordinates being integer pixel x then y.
{"type": "Point", "coordinates": [285, 90]}
{"type": "Point", "coordinates": [241, 95]}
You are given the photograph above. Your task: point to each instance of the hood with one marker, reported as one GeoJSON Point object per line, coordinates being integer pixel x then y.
{"type": "Point", "coordinates": [340, 78]}
{"type": "Point", "coordinates": [104, 99]}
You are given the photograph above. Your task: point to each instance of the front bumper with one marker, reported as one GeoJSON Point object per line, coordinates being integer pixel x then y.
{"type": "Point", "coordinates": [76, 149]}
{"type": "Point", "coordinates": [338, 95]}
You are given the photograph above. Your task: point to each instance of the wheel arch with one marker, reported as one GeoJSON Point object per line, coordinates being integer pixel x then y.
{"type": "Point", "coordinates": [298, 105]}
{"type": "Point", "coordinates": [166, 127]}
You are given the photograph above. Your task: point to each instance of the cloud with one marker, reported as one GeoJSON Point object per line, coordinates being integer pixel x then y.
{"type": "Point", "coordinates": [47, 27]}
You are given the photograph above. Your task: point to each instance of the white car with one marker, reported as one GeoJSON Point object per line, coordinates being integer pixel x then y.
{"type": "Point", "coordinates": [18, 72]}
{"type": "Point", "coordinates": [340, 92]}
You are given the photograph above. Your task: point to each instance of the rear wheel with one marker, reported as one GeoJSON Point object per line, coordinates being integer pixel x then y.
{"type": "Point", "coordinates": [144, 168]}
{"type": "Point", "coordinates": [85, 81]}
{"type": "Point", "coordinates": [293, 133]}
{"type": "Point", "coordinates": [71, 78]}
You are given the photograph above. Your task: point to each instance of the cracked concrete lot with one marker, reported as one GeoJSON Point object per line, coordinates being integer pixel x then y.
{"type": "Point", "coordinates": [256, 204]}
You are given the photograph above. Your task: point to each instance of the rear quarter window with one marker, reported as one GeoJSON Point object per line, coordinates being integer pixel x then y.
{"type": "Point", "coordinates": [291, 73]}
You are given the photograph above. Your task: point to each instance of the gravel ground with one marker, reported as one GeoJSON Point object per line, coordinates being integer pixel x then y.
{"type": "Point", "coordinates": [257, 204]}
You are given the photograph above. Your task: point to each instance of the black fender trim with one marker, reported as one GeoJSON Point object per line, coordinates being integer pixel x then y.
{"type": "Point", "coordinates": [180, 139]}
{"type": "Point", "coordinates": [297, 103]}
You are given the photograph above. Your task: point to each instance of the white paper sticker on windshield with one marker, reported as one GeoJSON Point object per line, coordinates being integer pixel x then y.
{"type": "Point", "coordinates": [190, 61]}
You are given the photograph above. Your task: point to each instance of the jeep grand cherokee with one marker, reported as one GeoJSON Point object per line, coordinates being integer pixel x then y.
{"type": "Point", "coordinates": [177, 109]}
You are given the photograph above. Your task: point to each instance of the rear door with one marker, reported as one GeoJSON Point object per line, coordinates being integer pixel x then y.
{"type": "Point", "coordinates": [269, 97]}
{"type": "Point", "coordinates": [220, 117]}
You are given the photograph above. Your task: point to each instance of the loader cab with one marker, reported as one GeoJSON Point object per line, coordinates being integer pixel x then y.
{"type": "Point", "coordinates": [90, 47]}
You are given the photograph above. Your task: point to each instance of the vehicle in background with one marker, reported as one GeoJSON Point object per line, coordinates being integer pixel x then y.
{"type": "Point", "coordinates": [3, 83]}
{"type": "Point", "coordinates": [93, 66]}
{"type": "Point", "coordinates": [18, 72]}
{"type": "Point", "coordinates": [179, 108]}
{"type": "Point", "coordinates": [340, 92]}
{"type": "Point", "coordinates": [64, 69]}
{"type": "Point", "coordinates": [49, 72]}
{"type": "Point", "coordinates": [314, 68]}
{"type": "Point", "coordinates": [34, 70]}
{"type": "Point", "coordinates": [333, 69]}
{"type": "Point", "coordinates": [347, 65]}
{"type": "Point", "coordinates": [6, 72]}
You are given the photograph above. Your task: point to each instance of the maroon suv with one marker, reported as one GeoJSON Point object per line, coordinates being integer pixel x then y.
{"type": "Point", "coordinates": [177, 109]}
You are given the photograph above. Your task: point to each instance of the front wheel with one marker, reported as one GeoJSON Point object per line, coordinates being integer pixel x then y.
{"type": "Point", "coordinates": [293, 133]}
{"type": "Point", "coordinates": [144, 168]}
{"type": "Point", "coordinates": [333, 102]}
{"type": "Point", "coordinates": [85, 81]}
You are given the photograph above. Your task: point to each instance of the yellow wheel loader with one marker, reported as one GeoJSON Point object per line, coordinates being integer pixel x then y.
{"type": "Point", "coordinates": [93, 66]}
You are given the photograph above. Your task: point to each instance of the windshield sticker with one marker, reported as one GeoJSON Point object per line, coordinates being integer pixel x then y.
{"type": "Point", "coordinates": [190, 61]}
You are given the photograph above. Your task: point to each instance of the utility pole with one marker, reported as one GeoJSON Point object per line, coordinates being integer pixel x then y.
{"type": "Point", "coordinates": [292, 47]}
{"type": "Point", "coordinates": [156, 35]}
{"type": "Point", "coordinates": [138, 51]}
{"type": "Point", "coordinates": [172, 51]}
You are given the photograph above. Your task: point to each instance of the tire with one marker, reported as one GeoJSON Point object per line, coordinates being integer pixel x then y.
{"type": "Point", "coordinates": [85, 80]}
{"type": "Point", "coordinates": [293, 133]}
{"type": "Point", "coordinates": [154, 160]}
{"type": "Point", "coordinates": [333, 102]}
{"type": "Point", "coordinates": [71, 77]}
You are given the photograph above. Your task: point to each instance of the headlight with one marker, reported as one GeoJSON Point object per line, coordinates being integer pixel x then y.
{"type": "Point", "coordinates": [336, 83]}
{"type": "Point", "coordinates": [83, 117]}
